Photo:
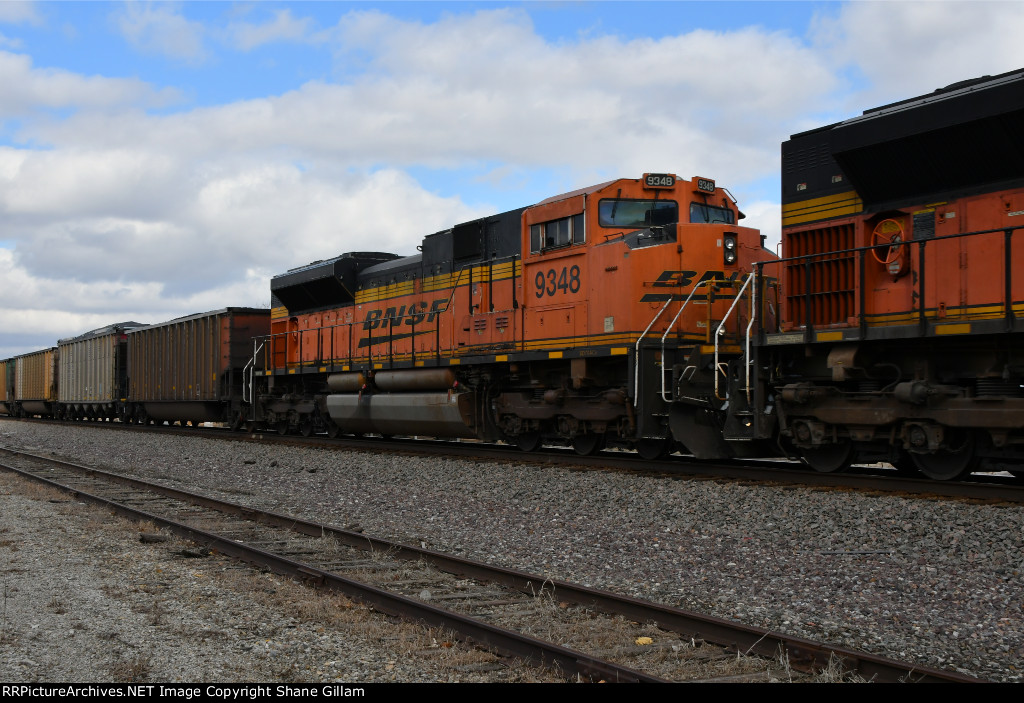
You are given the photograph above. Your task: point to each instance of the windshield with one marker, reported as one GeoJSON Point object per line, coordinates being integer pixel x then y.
{"type": "Point", "coordinates": [617, 212]}
{"type": "Point", "coordinates": [711, 214]}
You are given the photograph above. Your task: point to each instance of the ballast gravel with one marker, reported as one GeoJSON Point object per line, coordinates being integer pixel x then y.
{"type": "Point", "coordinates": [937, 582]}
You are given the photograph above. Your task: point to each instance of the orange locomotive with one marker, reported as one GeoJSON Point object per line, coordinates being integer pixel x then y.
{"type": "Point", "coordinates": [591, 318]}
{"type": "Point", "coordinates": [902, 335]}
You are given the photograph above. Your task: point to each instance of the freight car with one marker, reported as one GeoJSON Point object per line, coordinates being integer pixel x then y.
{"type": "Point", "coordinates": [34, 384]}
{"type": "Point", "coordinates": [93, 374]}
{"type": "Point", "coordinates": [190, 369]}
{"type": "Point", "coordinates": [902, 334]}
{"type": "Point", "coordinates": [7, 386]}
{"type": "Point", "coordinates": [570, 321]}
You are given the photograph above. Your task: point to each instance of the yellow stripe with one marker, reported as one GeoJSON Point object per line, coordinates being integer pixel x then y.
{"type": "Point", "coordinates": [444, 281]}
{"type": "Point", "coordinates": [555, 355]}
{"type": "Point", "coordinates": [829, 336]}
{"type": "Point", "coordinates": [980, 312]}
{"type": "Point", "coordinates": [619, 351]}
{"type": "Point", "coordinates": [501, 357]}
{"type": "Point", "coordinates": [848, 203]}
{"type": "Point", "coordinates": [962, 328]}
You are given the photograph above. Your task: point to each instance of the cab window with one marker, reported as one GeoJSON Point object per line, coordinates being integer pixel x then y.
{"type": "Point", "coordinates": [557, 233]}
{"type": "Point", "coordinates": [618, 212]}
{"type": "Point", "coordinates": [711, 214]}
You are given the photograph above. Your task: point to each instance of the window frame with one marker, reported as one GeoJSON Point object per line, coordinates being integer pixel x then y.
{"type": "Point", "coordinates": [635, 225]}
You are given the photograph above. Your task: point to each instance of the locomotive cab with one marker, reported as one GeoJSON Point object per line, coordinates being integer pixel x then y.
{"type": "Point", "coordinates": [627, 284]}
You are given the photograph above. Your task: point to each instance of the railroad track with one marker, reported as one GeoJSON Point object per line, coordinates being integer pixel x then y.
{"type": "Point", "coordinates": [979, 487]}
{"type": "Point", "coordinates": [561, 625]}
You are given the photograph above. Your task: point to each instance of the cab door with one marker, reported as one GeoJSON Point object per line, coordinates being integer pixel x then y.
{"type": "Point", "coordinates": [555, 276]}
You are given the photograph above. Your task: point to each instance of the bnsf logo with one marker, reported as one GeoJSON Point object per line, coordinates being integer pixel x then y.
{"type": "Point", "coordinates": [392, 317]}
{"type": "Point", "coordinates": [673, 279]}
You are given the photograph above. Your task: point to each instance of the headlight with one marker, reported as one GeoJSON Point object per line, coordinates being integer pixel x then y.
{"type": "Point", "coordinates": [729, 249]}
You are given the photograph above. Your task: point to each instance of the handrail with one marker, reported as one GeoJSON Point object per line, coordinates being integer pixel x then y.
{"type": "Point", "coordinates": [823, 256]}
{"type": "Point", "coordinates": [869, 247]}
{"type": "Point", "coordinates": [721, 331]}
{"type": "Point", "coordinates": [636, 355]}
{"type": "Point", "coordinates": [698, 284]}
{"type": "Point", "coordinates": [750, 326]}
{"type": "Point", "coordinates": [251, 363]}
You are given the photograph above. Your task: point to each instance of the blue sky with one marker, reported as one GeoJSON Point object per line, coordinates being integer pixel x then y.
{"type": "Point", "coordinates": [159, 159]}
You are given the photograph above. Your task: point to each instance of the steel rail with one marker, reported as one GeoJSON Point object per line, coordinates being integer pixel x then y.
{"type": "Point", "coordinates": [471, 630]}
{"type": "Point", "coordinates": [768, 471]}
{"type": "Point", "coordinates": [803, 654]}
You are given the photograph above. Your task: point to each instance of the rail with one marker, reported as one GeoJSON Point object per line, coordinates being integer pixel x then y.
{"type": "Point", "coordinates": [131, 497]}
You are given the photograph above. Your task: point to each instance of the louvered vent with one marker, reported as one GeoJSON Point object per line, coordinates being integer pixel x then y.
{"type": "Point", "coordinates": [827, 283]}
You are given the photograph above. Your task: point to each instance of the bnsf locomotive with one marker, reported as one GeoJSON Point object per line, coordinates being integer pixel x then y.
{"type": "Point", "coordinates": [902, 335]}
{"type": "Point", "coordinates": [639, 313]}
{"type": "Point", "coordinates": [576, 320]}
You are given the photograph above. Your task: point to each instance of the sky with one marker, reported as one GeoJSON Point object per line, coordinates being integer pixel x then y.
{"type": "Point", "coordinates": [161, 159]}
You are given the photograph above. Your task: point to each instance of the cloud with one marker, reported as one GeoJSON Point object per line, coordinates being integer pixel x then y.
{"type": "Point", "coordinates": [903, 49]}
{"type": "Point", "coordinates": [283, 27]}
{"type": "Point", "coordinates": [16, 12]}
{"type": "Point", "coordinates": [161, 30]}
{"type": "Point", "coordinates": [135, 218]}
{"type": "Point", "coordinates": [485, 87]}
{"type": "Point", "coordinates": [10, 43]}
{"type": "Point", "coordinates": [26, 88]}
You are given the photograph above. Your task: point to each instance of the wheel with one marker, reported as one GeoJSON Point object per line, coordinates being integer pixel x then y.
{"type": "Point", "coordinates": [948, 465]}
{"type": "Point", "coordinates": [904, 465]}
{"type": "Point", "coordinates": [654, 448]}
{"type": "Point", "coordinates": [586, 444]}
{"type": "Point", "coordinates": [829, 458]}
{"type": "Point", "coordinates": [282, 427]}
{"type": "Point", "coordinates": [306, 428]}
{"type": "Point", "coordinates": [887, 233]}
{"type": "Point", "coordinates": [528, 441]}
{"type": "Point", "coordinates": [333, 430]}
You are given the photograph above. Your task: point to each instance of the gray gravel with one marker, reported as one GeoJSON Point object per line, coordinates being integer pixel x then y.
{"type": "Point", "coordinates": [937, 582]}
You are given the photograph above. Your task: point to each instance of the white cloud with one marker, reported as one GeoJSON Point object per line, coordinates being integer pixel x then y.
{"type": "Point", "coordinates": [486, 87]}
{"type": "Point", "coordinates": [10, 43]}
{"type": "Point", "coordinates": [27, 88]}
{"type": "Point", "coordinates": [283, 27]}
{"type": "Point", "coordinates": [160, 29]}
{"type": "Point", "coordinates": [904, 49]}
{"type": "Point", "coordinates": [17, 12]}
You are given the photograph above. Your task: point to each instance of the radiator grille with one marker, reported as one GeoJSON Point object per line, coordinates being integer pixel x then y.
{"type": "Point", "coordinates": [828, 283]}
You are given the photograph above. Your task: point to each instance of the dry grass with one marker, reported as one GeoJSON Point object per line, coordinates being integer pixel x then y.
{"type": "Point", "coordinates": [134, 670]}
